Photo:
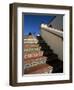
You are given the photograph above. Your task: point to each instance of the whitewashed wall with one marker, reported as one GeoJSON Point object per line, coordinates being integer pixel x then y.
{"type": "Point", "coordinates": [55, 42]}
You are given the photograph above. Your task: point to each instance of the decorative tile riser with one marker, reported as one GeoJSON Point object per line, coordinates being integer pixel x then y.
{"type": "Point", "coordinates": [34, 63]}
{"type": "Point", "coordinates": [33, 55]}
{"type": "Point", "coordinates": [35, 59]}
{"type": "Point", "coordinates": [32, 49]}
{"type": "Point", "coordinates": [31, 41]}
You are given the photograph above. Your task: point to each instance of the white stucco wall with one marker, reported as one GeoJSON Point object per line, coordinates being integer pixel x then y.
{"type": "Point", "coordinates": [55, 42]}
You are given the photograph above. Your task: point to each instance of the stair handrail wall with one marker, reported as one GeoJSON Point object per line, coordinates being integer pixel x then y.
{"type": "Point", "coordinates": [54, 38]}
{"type": "Point", "coordinates": [57, 32]}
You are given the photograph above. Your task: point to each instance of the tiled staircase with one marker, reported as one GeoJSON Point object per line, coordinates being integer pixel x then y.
{"type": "Point", "coordinates": [39, 58]}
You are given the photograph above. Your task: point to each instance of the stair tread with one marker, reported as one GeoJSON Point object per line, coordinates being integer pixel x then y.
{"type": "Point", "coordinates": [31, 45]}
{"type": "Point", "coordinates": [34, 59]}
{"type": "Point", "coordinates": [38, 69]}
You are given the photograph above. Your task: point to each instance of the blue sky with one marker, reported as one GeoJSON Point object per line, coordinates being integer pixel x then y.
{"type": "Point", "coordinates": [32, 22]}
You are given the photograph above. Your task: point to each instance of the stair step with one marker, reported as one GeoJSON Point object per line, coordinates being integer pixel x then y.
{"type": "Point", "coordinates": [43, 68]}
{"type": "Point", "coordinates": [34, 59]}
{"type": "Point", "coordinates": [45, 46]}
{"type": "Point", "coordinates": [52, 57]}
{"type": "Point", "coordinates": [42, 42]}
{"type": "Point", "coordinates": [46, 50]}
{"type": "Point", "coordinates": [33, 54]}
{"type": "Point", "coordinates": [31, 46]}
{"type": "Point", "coordinates": [57, 65]}
{"type": "Point", "coordinates": [47, 53]}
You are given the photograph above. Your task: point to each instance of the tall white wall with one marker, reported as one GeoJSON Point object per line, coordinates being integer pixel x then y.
{"type": "Point", "coordinates": [57, 23]}
{"type": "Point", "coordinates": [55, 42]}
